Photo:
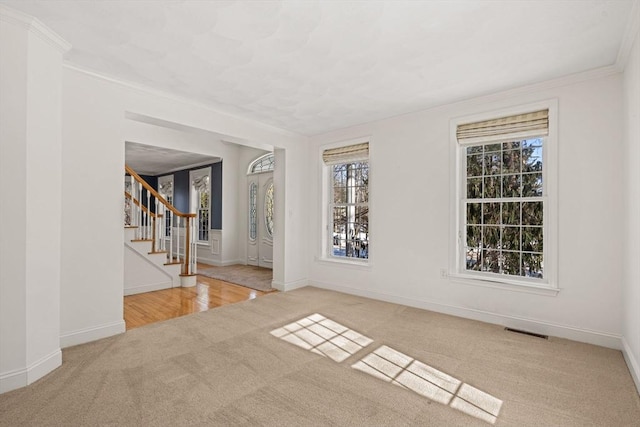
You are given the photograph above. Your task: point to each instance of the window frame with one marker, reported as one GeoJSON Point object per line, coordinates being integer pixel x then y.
{"type": "Point", "coordinates": [326, 176]}
{"type": "Point", "coordinates": [457, 259]}
{"type": "Point", "coordinates": [169, 198]}
{"type": "Point", "coordinates": [194, 202]}
{"type": "Point", "coordinates": [259, 161]}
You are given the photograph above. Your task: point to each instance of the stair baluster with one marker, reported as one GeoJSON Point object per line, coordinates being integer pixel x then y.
{"type": "Point", "coordinates": [152, 225]}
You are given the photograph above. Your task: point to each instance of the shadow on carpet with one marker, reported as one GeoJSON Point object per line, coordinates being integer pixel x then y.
{"type": "Point", "coordinates": [257, 278]}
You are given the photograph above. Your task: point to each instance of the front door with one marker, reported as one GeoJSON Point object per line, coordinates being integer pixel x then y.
{"type": "Point", "coordinates": [261, 208]}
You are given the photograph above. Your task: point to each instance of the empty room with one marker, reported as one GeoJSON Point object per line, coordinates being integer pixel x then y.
{"type": "Point", "coordinates": [444, 195]}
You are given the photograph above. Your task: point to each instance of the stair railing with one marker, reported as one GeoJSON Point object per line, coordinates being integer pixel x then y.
{"type": "Point", "coordinates": [150, 224]}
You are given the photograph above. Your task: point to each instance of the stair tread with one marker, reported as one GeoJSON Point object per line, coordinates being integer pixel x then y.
{"type": "Point", "coordinates": [157, 252]}
{"type": "Point", "coordinates": [142, 240]}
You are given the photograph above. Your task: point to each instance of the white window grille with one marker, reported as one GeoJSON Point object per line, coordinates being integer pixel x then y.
{"type": "Point", "coordinates": [348, 218]}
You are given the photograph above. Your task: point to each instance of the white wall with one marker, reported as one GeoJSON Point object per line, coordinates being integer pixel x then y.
{"type": "Point", "coordinates": [631, 258]}
{"type": "Point", "coordinates": [141, 274]}
{"type": "Point", "coordinates": [410, 214]}
{"type": "Point", "coordinates": [30, 170]}
{"type": "Point", "coordinates": [94, 131]}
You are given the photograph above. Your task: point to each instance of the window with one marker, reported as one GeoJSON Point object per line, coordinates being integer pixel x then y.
{"type": "Point", "coordinates": [165, 188]}
{"type": "Point", "coordinates": [348, 218]}
{"type": "Point", "coordinates": [201, 202]}
{"type": "Point", "coordinates": [503, 206]}
{"type": "Point", "coordinates": [268, 209]}
{"type": "Point", "coordinates": [264, 163]}
{"type": "Point", "coordinates": [253, 211]}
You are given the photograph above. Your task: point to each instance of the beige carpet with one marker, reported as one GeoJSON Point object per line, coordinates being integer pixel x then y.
{"type": "Point", "coordinates": [257, 278]}
{"type": "Point", "coordinates": [243, 365]}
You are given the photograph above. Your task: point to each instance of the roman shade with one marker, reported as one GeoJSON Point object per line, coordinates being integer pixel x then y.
{"type": "Point", "coordinates": [349, 153]}
{"type": "Point", "coordinates": [516, 127]}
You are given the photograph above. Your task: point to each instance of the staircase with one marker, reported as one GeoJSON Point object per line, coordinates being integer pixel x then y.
{"type": "Point", "coordinates": [160, 249]}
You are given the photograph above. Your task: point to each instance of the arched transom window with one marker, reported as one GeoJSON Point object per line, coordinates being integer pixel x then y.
{"type": "Point", "coordinates": [262, 164]}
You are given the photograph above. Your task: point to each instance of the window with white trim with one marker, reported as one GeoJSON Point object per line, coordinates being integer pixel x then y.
{"type": "Point", "coordinates": [201, 202]}
{"type": "Point", "coordinates": [348, 200]}
{"type": "Point", "coordinates": [265, 163]}
{"type": "Point", "coordinates": [165, 188]}
{"type": "Point", "coordinates": [503, 226]}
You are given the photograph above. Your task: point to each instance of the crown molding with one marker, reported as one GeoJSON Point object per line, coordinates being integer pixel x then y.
{"type": "Point", "coordinates": [483, 99]}
{"type": "Point", "coordinates": [630, 33]}
{"type": "Point", "coordinates": [178, 98]}
{"type": "Point", "coordinates": [35, 26]}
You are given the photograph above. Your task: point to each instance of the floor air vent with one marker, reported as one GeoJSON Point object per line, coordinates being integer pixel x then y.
{"type": "Point", "coordinates": [518, 331]}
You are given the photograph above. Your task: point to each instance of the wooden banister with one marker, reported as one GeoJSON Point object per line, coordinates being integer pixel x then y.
{"type": "Point", "coordinates": [157, 195]}
{"type": "Point", "coordinates": [144, 216]}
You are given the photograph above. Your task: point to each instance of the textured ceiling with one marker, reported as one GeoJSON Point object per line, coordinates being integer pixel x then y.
{"type": "Point", "coordinates": [314, 66]}
{"type": "Point", "coordinates": [149, 160]}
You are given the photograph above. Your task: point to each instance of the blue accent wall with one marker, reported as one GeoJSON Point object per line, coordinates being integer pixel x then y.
{"type": "Point", "coordinates": [153, 182]}
{"type": "Point", "coordinates": [216, 196]}
{"type": "Point", "coordinates": [182, 191]}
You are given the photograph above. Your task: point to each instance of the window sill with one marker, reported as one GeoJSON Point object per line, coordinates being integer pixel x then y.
{"type": "Point", "coordinates": [360, 265]}
{"type": "Point", "coordinates": [514, 286]}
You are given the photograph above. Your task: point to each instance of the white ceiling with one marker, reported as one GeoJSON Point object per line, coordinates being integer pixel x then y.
{"type": "Point", "coordinates": [315, 66]}
{"type": "Point", "coordinates": [151, 160]}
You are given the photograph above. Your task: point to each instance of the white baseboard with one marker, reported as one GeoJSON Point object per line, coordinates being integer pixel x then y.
{"type": "Point", "coordinates": [289, 286]}
{"type": "Point", "coordinates": [91, 334]}
{"type": "Point", "coordinates": [217, 263]}
{"type": "Point", "coordinates": [547, 328]}
{"type": "Point", "coordinates": [23, 377]}
{"type": "Point", "coordinates": [147, 288]}
{"type": "Point", "coordinates": [632, 363]}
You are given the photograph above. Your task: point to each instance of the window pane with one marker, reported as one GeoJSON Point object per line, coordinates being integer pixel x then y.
{"type": "Point", "coordinates": [532, 213]}
{"type": "Point", "coordinates": [532, 239]}
{"type": "Point", "coordinates": [492, 147]}
{"type": "Point", "coordinates": [511, 186]}
{"type": "Point", "coordinates": [491, 237]}
{"type": "Point", "coordinates": [511, 238]}
{"type": "Point", "coordinates": [253, 214]}
{"type": "Point", "coordinates": [511, 213]}
{"type": "Point", "coordinates": [340, 194]}
{"type": "Point", "coordinates": [474, 236]}
{"type": "Point", "coordinates": [490, 261]}
{"type": "Point", "coordinates": [491, 213]}
{"type": "Point", "coordinates": [474, 188]}
{"type": "Point", "coordinates": [474, 213]}
{"type": "Point", "coordinates": [269, 209]}
{"type": "Point", "coordinates": [362, 194]}
{"type": "Point", "coordinates": [474, 165]}
{"type": "Point", "coordinates": [532, 265]}
{"type": "Point", "coordinates": [492, 163]}
{"type": "Point", "coordinates": [511, 145]}
{"type": "Point", "coordinates": [204, 199]}
{"type": "Point", "coordinates": [532, 185]}
{"type": "Point", "coordinates": [475, 149]}
{"type": "Point", "coordinates": [511, 161]}
{"type": "Point", "coordinates": [473, 259]}
{"type": "Point", "coordinates": [531, 162]}
{"type": "Point", "coordinates": [491, 187]}
{"type": "Point", "coordinates": [511, 263]}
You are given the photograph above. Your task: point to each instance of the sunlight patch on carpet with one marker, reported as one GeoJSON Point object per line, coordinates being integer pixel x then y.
{"type": "Point", "coordinates": [323, 336]}
{"type": "Point", "coordinates": [397, 368]}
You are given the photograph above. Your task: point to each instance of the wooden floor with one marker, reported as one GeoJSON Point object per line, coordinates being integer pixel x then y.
{"type": "Point", "coordinates": [150, 307]}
